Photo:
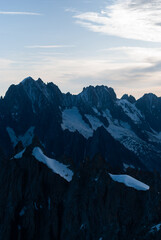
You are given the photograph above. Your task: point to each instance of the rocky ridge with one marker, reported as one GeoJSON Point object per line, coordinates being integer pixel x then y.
{"type": "Point", "coordinates": [83, 166]}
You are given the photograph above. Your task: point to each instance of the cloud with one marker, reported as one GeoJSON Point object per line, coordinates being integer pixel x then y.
{"type": "Point", "coordinates": [72, 10]}
{"type": "Point", "coordinates": [131, 70]}
{"type": "Point", "coordinates": [154, 68]}
{"type": "Point", "coordinates": [133, 54]}
{"type": "Point", "coordinates": [20, 13]}
{"type": "Point", "coordinates": [5, 63]}
{"type": "Point", "coordinates": [50, 46]}
{"type": "Point", "coordinates": [132, 19]}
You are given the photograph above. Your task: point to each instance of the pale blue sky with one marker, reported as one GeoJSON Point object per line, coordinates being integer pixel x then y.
{"type": "Point", "coordinates": [78, 43]}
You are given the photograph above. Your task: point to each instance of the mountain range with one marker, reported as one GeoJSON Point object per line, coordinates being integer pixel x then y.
{"type": "Point", "coordinates": [83, 166]}
{"type": "Point", "coordinates": [124, 131]}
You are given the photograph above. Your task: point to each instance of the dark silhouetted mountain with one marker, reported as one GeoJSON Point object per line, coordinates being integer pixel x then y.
{"type": "Point", "coordinates": [77, 126]}
{"type": "Point", "coordinates": [130, 98]}
{"type": "Point", "coordinates": [83, 166]}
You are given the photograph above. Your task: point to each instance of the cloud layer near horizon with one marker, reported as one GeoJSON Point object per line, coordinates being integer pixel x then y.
{"type": "Point", "coordinates": [132, 70]}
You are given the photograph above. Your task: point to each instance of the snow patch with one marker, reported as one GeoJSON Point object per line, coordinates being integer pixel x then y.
{"type": "Point", "coordinates": [54, 165]}
{"type": "Point", "coordinates": [119, 132]}
{"type": "Point", "coordinates": [116, 129]}
{"type": "Point", "coordinates": [130, 110]}
{"type": "Point", "coordinates": [12, 135]}
{"type": "Point", "coordinates": [156, 228]}
{"type": "Point", "coordinates": [130, 182]}
{"type": "Point", "coordinates": [72, 120]}
{"type": "Point", "coordinates": [26, 139]}
{"type": "Point", "coordinates": [126, 166]}
{"type": "Point", "coordinates": [96, 111]}
{"type": "Point", "coordinates": [94, 121]}
{"type": "Point", "coordinates": [154, 137]}
{"type": "Point", "coordinates": [122, 132]}
{"type": "Point", "coordinates": [20, 154]}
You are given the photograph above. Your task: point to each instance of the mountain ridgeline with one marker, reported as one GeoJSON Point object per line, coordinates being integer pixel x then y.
{"type": "Point", "coordinates": [122, 131]}
{"type": "Point", "coordinates": [83, 166]}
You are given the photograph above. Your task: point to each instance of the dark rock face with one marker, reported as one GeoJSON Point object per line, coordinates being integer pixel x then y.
{"type": "Point", "coordinates": [31, 200]}
{"type": "Point", "coordinates": [36, 203]}
{"type": "Point", "coordinates": [99, 96]}
{"type": "Point", "coordinates": [114, 153]}
{"type": "Point", "coordinates": [150, 105]}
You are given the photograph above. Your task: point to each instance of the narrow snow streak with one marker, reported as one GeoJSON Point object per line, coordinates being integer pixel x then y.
{"type": "Point", "coordinates": [55, 166]}
{"type": "Point", "coordinates": [20, 154]}
{"type": "Point", "coordinates": [12, 136]}
{"type": "Point", "coordinates": [156, 228]}
{"type": "Point", "coordinates": [130, 182]}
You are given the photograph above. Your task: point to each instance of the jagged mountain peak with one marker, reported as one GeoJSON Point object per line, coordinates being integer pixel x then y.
{"type": "Point", "coordinates": [149, 97]}
{"type": "Point", "coordinates": [26, 84]}
{"type": "Point", "coordinates": [149, 101]}
{"type": "Point", "coordinates": [33, 90]}
{"type": "Point", "coordinates": [58, 117]}
{"type": "Point", "coordinates": [27, 80]}
{"type": "Point", "coordinates": [30, 83]}
{"type": "Point", "coordinates": [99, 96]}
{"type": "Point", "coordinates": [129, 98]}
{"type": "Point", "coordinates": [99, 89]}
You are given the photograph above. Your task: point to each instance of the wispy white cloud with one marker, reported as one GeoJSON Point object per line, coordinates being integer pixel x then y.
{"type": "Point", "coordinates": [72, 10]}
{"type": "Point", "coordinates": [50, 46]}
{"type": "Point", "coordinates": [132, 19]}
{"type": "Point", "coordinates": [19, 13]}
